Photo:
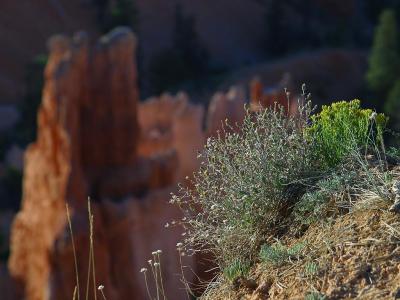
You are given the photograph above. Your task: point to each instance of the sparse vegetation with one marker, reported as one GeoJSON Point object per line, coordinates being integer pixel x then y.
{"type": "Point", "coordinates": [236, 270]}
{"type": "Point", "coordinates": [277, 253]}
{"type": "Point", "coordinates": [277, 177]}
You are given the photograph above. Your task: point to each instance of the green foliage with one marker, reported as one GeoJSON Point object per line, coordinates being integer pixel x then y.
{"type": "Point", "coordinates": [278, 254]}
{"type": "Point", "coordinates": [313, 204]}
{"type": "Point", "coordinates": [278, 174]}
{"type": "Point", "coordinates": [236, 270]}
{"type": "Point", "coordinates": [311, 269]}
{"type": "Point", "coordinates": [392, 106]}
{"type": "Point", "coordinates": [245, 184]}
{"type": "Point", "coordinates": [342, 127]}
{"type": "Point", "coordinates": [315, 296]}
{"type": "Point", "coordinates": [384, 60]}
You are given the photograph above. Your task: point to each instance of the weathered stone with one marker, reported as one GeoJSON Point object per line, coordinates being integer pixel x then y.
{"type": "Point", "coordinates": [224, 108]}
{"type": "Point", "coordinates": [172, 124]}
{"type": "Point", "coordinates": [87, 143]}
{"type": "Point", "coordinates": [267, 98]}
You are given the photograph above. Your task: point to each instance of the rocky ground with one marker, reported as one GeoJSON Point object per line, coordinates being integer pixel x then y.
{"type": "Point", "coordinates": [355, 256]}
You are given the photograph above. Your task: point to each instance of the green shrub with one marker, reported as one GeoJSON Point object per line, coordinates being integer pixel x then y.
{"type": "Point", "coordinates": [277, 173]}
{"type": "Point", "coordinates": [311, 269]}
{"type": "Point", "coordinates": [236, 270]}
{"type": "Point", "coordinates": [341, 128]}
{"type": "Point", "coordinates": [314, 296]}
{"type": "Point", "coordinates": [246, 184]}
{"type": "Point", "coordinates": [312, 206]}
{"type": "Point", "coordinates": [278, 254]}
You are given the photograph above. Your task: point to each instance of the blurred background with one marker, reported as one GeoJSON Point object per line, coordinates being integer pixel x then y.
{"type": "Point", "coordinates": [204, 52]}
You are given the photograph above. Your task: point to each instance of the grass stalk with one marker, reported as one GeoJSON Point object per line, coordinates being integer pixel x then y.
{"type": "Point", "coordinates": [76, 290]}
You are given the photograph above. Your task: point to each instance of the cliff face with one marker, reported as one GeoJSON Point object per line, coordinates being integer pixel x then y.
{"type": "Point", "coordinates": [88, 135]}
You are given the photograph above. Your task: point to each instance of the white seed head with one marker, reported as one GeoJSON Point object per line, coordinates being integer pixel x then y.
{"type": "Point", "coordinates": [154, 252]}
{"type": "Point", "coordinates": [101, 287]}
{"type": "Point", "coordinates": [143, 270]}
{"type": "Point", "coordinates": [179, 245]}
{"type": "Point", "coordinates": [159, 251]}
{"type": "Point", "coordinates": [156, 264]}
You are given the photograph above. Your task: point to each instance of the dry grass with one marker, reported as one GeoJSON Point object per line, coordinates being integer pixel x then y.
{"type": "Point", "coordinates": [355, 255]}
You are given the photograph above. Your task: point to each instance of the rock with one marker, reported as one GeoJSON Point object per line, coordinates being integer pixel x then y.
{"type": "Point", "coordinates": [261, 97]}
{"type": "Point", "coordinates": [225, 107]}
{"type": "Point", "coordinates": [87, 145]}
{"type": "Point", "coordinates": [172, 123]}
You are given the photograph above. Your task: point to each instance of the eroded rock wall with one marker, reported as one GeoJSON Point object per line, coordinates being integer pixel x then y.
{"type": "Point", "coordinates": [87, 145]}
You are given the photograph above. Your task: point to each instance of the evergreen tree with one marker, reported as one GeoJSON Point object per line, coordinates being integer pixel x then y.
{"type": "Point", "coordinates": [186, 60]}
{"type": "Point", "coordinates": [384, 60]}
{"type": "Point", "coordinates": [392, 106]}
{"type": "Point", "coordinates": [187, 43]}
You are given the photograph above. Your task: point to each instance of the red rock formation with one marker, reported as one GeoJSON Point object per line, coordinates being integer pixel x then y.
{"type": "Point", "coordinates": [172, 124]}
{"type": "Point", "coordinates": [225, 107]}
{"type": "Point", "coordinates": [96, 139]}
{"type": "Point", "coordinates": [263, 98]}
{"type": "Point", "coordinates": [87, 144]}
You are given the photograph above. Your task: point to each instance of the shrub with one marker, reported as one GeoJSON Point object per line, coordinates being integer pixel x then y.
{"type": "Point", "coordinates": [236, 270]}
{"type": "Point", "coordinates": [342, 127]}
{"type": "Point", "coordinates": [246, 184]}
{"type": "Point", "coordinates": [277, 173]}
{"type": "Point", "coordinates": [277, 254]}
{"type": "Point", "coordinates": [311, 269]}
{"type": "Point", "coordinates": [312, 206]}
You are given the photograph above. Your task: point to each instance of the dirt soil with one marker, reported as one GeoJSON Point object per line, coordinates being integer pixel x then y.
{"type": "Point", "coordinates": [356, 257]}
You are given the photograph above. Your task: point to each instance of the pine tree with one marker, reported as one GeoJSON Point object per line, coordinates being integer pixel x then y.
{"type": "Point", "coordinates": [392, 106]}
{"type": "Point", "coordinates": [384, 60]}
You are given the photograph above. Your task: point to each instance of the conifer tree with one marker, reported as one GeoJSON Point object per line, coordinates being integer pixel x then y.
{"type": "Point", "coordinates": [392, 106]}
{"type": "Point", "coordinates": [384, 60]}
